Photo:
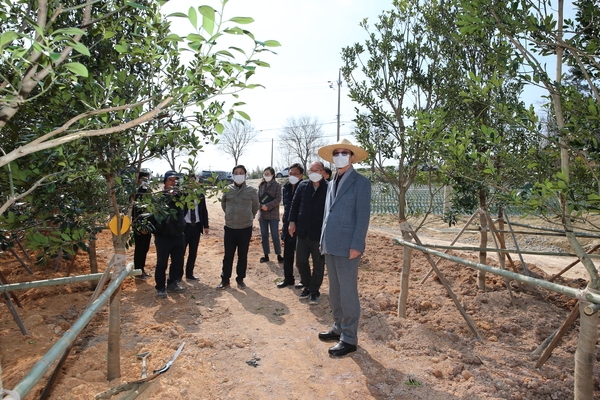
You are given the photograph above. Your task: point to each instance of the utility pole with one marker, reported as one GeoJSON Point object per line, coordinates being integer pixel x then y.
{"type": "Point", "coordinates": [272, 144]}
{"type": "Point", "coordinates": [339, 85]}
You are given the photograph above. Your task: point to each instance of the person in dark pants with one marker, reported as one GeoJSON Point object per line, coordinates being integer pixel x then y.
{"type": "Point", "coordinates": [269, 198]}
{"type": "Point", "coordinates": [240, 204]}
{"type": "Point", "coordinates": [306, 218]}
{"type": "Point", "coordinates": [343, 238]}
{"type": "Point", "coordinates": [141, 233]}
{"type": "Point", "coordinates": [196, 224]}
{"type": "Point", "coordinates": [289, 242]}
{"type": "Point", "coordinates": [169, 238]}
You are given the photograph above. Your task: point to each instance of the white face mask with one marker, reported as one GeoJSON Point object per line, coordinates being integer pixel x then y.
{"type": "Point", "coordinates": [239, 179]}
{"type": "Point", "coordinates": [341, 161]}
{"type": "Point", "coordinates": [293, 179]}
{"type": "Point", "coordinates": [268, 178]}
{"type": "Point", "coordinates": [315, 177]}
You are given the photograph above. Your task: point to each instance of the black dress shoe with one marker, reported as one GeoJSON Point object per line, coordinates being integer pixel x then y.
{"type": "Point", "coordinates": [223, 285]}
{"type": "Point", "coordinates": [192, 278]}
{"type": "Point", "coordinates": [279, 258]}
{"type": "Point", "coordinates": [329, 336]}
{"type": "Point", "coordinates": [299, 286]}
{"type": "Point", "coordinates": [341, 349]}
{"type": "Point", "coordinates": [283, 284]}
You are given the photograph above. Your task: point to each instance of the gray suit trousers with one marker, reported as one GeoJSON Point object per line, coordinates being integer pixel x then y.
{"type": "Point", "coordinates": [343, 296]}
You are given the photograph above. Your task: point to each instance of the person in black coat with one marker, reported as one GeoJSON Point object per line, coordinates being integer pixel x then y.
{"type": "Point", "coordinates": [141, 233]}
{"type": "Point", "coordinates": [306, 218]}
{"type": "Point", "coordinates": [169, 239]}
{"type": "Point", "coordinates": [289, 242]}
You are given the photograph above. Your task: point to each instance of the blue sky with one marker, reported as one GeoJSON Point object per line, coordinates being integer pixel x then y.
{"type": "Point", "coordinates": [312, 34]}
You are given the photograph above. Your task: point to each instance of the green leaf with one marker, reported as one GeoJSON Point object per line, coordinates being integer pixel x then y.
{"type": "Point", "coordinates": [193, 17]}
{"type": "Point", "coordinates": [243, 115]}
{"type": "Point", "coordinates": [7, 37]}
{"type": "Point", "coordinates": [121, 48]}
{"type": "Point", "coordinates": [272, 43]}
{"type": "Point", "coordinates": [208, 20]}
{"type": "Point", "coordinates": [68, 31]}
{"type": "Point", "coordinates": [80, 48]}
{"type": "Point", "coordinates": [77, 69]}
{"type": "Point", "coordinates": [219, 128]}
{"type": "Point", "coordinates": [136, 5]}
{"type": "Point", "coordinates": [177, 14]}
{"type": "Point", "coordinates": [242, 20]}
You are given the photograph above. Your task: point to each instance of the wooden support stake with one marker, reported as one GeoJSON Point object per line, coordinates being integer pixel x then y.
{"type": "Point", "coordinates": [14, 253]}
{"type": "Point", "coordinates": [574, 263]}
{"type": "Point", "coordinates": [453, 241]}
{"type": "Point", "coordinates": [559, 334]}
{"type": "Point", "coordinates": [444, 282]}
{"type": "Point", "coordinates": [14, 313]}
{"type": "Point", "coordinates": [516, 244]}
{"type": "Point", "coordinates": [4, 281]}
{"type": "Point", "coordinates": [27, 256]}
{"type": "Point", "coordinates": [501, 260]}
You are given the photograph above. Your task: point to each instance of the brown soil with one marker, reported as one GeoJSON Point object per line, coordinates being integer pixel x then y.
{"type": "Point", "coordinates": [261, 343]}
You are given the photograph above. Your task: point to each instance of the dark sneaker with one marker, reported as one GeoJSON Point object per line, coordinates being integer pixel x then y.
{"type": "Point", "coordinates": [279, 258]}
{"type": "Point", "coordinates": [264, 259]}
{"type": "Point", "coordinates": [161, 293]}
{"type": "Point", "coordinates": [175, 288]}
{"type": "Point", "coordinates": [314, 298]}
{"type": "Point", "coordinates": [241, 285]}
{"type": "Point", "coordinates": [144, 276]}
{"type": "Point", "coordinates": [304, 294]}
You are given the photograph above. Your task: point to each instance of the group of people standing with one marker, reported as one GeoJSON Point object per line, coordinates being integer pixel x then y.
{"type": "Point", "coordinates": [324, 220]}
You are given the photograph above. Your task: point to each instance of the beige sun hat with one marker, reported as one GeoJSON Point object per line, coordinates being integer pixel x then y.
{"type": "Point", "coordinates": [326, 152]}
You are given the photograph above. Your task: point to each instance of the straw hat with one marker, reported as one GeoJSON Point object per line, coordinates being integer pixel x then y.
{"type": "Point", "coordinates": [326, 152]}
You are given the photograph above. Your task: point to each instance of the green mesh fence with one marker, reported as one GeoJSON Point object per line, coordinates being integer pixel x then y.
{"type": "Point", "coordinates": [384, 200]}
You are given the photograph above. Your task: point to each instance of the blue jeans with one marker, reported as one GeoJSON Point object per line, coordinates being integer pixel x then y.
{"type": "Point", "coordinates": [264, 234]}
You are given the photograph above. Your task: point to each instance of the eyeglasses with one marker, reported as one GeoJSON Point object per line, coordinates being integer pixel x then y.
{"type": "Point", "coordinates": [341, 153]}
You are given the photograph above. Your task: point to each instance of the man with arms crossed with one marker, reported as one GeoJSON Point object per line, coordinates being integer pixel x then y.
{"type": "Point", "coordinates": [345, 225]}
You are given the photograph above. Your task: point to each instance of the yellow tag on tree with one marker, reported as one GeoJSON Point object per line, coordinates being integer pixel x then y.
{"type": "Point", "coordinates": [125, 224]}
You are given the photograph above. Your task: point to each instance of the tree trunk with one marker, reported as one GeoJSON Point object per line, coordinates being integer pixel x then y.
{"type": "Point", "coordinates": [483, 239]}
{"type": "Point", "coordinates": [406, 253]}
{"type": "Point", "coordinates": [93, 262]}
{"type": "Point", "coordinates": [585, 355]}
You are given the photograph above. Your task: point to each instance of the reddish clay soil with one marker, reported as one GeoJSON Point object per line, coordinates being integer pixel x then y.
{"type": "Point", "coordinates": [261, 343]}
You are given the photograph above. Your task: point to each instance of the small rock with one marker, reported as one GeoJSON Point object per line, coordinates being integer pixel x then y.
{"type": "Point", "coordinates": [493, 338]}
{"type": "Point", "coordinates": [466, 374]}
{"type": "Point", "coordinates": [435, 360]}
{"type": "Point", "coordinates": [437, 373]}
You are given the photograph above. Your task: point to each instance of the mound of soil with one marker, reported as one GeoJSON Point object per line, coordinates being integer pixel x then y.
{"type": "Point", "coordinates": [261, 342]}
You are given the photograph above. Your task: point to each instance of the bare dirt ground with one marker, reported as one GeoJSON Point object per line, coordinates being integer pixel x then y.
{"type": "Point", "coordinates": [261, 343]}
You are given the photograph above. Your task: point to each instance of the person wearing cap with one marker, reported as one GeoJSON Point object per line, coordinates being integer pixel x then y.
{"type": "Point", "coordinates": [306, 219]}
{"type": "Point", "coordinates": [169, 238]}
{"type": "Point", "coordinates": [343, 237]}
{"type": "Point", "coordinates": [240, 204]}
{"type": "Point", "coordinates": [196, 219]}
{"type": "Point", "coordinates": [296, 172]}
{"type": "Point", "coordinates": [141, 233]}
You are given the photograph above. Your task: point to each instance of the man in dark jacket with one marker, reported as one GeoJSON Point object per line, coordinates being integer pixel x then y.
{"type": "Point", "coordinates": [169, 238]}
{"type": "Point", "coordinates": [306, 218]}
{"type": "Point", "coordinates": [141, 234]}
{"type": "Point", "coordinates": [289, 241]}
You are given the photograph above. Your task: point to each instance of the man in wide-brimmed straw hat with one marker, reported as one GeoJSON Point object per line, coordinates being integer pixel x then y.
{"type": "Point", "coordinates": [343, 235]}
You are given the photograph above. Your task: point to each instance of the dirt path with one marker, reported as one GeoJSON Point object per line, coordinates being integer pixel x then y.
{"type": "Point", "coordinates": [261, 343]}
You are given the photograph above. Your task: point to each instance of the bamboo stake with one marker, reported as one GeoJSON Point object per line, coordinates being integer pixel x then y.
{"type": "Point", "coordinates": [27, 256]}
{"type": "Point", "coordinates": [15, 314]}
{"type": "Point", "coordinates": [42, 366]}
{"type": "Point", "coordinates": [558, 334]}
{"type": "Point", "coordinates": [114, 324]}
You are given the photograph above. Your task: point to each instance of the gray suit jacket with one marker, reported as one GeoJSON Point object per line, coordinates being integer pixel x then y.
{"type": "Point", "coordinates": [347, 214]}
